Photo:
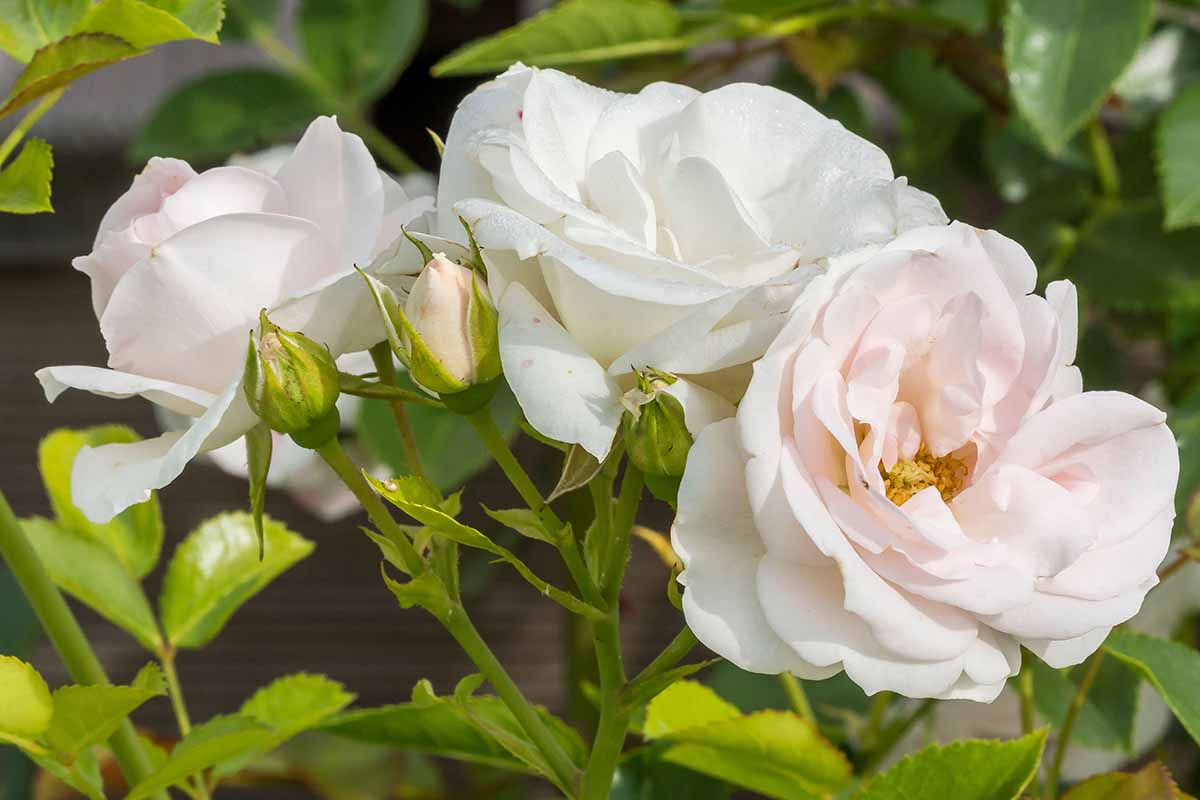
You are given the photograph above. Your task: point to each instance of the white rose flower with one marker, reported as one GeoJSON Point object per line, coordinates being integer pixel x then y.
{"type": "Point", "coordinates": [669, 229]}
{"type": "Point", "coordinates": [915, 484]}
{"type": "Point", "coordinates": [182, 264]}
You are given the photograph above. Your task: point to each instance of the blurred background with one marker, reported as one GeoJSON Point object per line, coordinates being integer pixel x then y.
{"type": "Point", "coordinates": [929, 87]}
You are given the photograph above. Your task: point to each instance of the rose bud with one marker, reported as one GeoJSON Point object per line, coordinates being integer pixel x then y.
{"type": "Point", "coordinates": [656, 437]}
{"type": "Point", "coordinates": [451, 333]}
{"type": "Point", "coordinates": [291, 383]}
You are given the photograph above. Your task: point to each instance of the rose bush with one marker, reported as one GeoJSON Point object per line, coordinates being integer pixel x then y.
{"type": "Point", "coordinates": [182, 264]}
{"type": "Point", "coordinates": [915, 484]}
{"type": "Point", "coordinates": [669, 229]}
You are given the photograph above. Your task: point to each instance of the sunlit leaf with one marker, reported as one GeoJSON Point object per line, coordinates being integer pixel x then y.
{"type": "Point", "coordinates": [26, 25]}
{"type": "Point", "coordinates": [57, 64]}
{"type": "Point", "coordinates": [25, 181]}
{"type": "Point", "coordinates": [1179, 159]}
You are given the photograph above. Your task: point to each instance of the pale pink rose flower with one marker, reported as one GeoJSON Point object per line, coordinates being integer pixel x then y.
{"type": "Point", "coordinates": [181, 266]}
{"type": "Point", "coordinates": [915, 483]}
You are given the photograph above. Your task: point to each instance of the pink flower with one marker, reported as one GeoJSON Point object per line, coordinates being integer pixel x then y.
{"type": "Point", "coordinates": [915, 484]}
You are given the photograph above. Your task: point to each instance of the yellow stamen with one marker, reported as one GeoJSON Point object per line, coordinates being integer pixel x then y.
{"type": "Point", "coordinates": [910, 476]}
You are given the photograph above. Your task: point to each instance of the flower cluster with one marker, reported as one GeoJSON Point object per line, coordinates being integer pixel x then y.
{"type": "Point", "coordinates": [884, 459]}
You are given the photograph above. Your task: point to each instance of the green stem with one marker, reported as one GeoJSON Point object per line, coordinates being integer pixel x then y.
{"type": "Point", "coordinates": [797, 697]}
{"type": "Point", "coordinates": [683, 643]}
{"type": "Point", "coordinates": [175, 690]}
{"type": "Point", "coordinates": [1025, 693]}
{"type": "Point", "coordinates": [336, 458]}
{"type": "Point", "coordinates": [1105, 163]}
{"type": "Point", "coordinates": [567, 546]}
{"type": "Point", "coordinates": [610, 733]}
{"type": "Point", "coordinates": [381, 354]}
{"type": "Point", "coordinates": [67, 637]}
{"type": "Point", "coordinates": [332, 97]}
{"type": "Point", "coordinates": [1068, 727]}
{"type": "Point", "coordinates": [460, 627]}
{"type": "Point", "coordinates": [891, 736]}
{"type": "Point", "coordinates": [618, 549]}
{"type": "Point", "coordinates": [28, 121]}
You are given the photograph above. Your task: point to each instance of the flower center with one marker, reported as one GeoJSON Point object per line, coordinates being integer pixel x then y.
{"type": "Point", "coordinates": [910, 476]}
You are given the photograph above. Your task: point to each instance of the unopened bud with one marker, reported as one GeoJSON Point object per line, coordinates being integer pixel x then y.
{"type": "Point", "coordinates": [291, 383]}
{"type": "Point", "coordinates": [655, 435]}
{"type": "Point", "coordinates": [452, 338]}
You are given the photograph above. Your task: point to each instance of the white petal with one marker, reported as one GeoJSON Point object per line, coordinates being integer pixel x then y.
{"type": "Point", "coordinates": [332, 180]}
{"type": "Point", "coordinates": [558, 116]}
{"type": "Point", "coordinates": [183, 314]}
{"type": "Point", "coordinates": [564, 393]}
{"type": "Point", "coordinates": [1067, 652]}
{"type": "Point", "coordinates": [181, 399]}
{"type": "Point", "coordinates": [714, 536]}
{"type": "Point", "coordinates": [108, 479]}
{"type": "Point", "coordinates": [701, 407]}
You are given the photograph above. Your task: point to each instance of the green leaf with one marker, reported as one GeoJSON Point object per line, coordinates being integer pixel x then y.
{"type": "Point", "coordinates": [1106, 719]}
{"type": "Point", "coordinates": [1151, 782]}
{"type": "Point", "coordinates": [685, 705]}
{"type": "Point", "coordinates": [459, 729]}
{"type": "Point", "coordinates": [362, 46]}
{"type": "Point", "coordinates": [216, 569]}
{"type": "Point", "coordinates": [418, 498]}
{"type": "Point", "coordinates": [771, 752]}
{"type": "Point", "coordinates": [82, 774]}
{"type": "Point", "coordinates": [139, 23]}
{"type": "Point", "coordinates": [25, 181]}
{"type": "Point", "coordinates": [135, 535]}
{"type": "Point", "coordinates": [92, 574]}
{"type": "Point", "coordinates": [57, 64]}
{"type": "Point", "coordinates": [27, 708]}
{"type": "Point", "coordinates": [574, 32]}
{"type": "Point", "coordinates": [87, 715]}
{"type": "Point", "coordinates": [449, 445]}
{"type": "Point", "coordinates": [203, 17]}
{"type": "Point", "coordinates": [1179, 159]}
{"type": "Point", "coordinates": [524, 521]}
{"type": "Point", "coordinates": [222, 113]}
{"type": "Point", "coordinates": [295, 703]}
{"type": "Point", "coordinates": [1170, 667]}
{"type": "Point", "coordinates": [27, 25]}
{"type": "Point", "coordinates": [218, 740]}
{"type": "Point", "coordinates": [1105, 262]}
{"type": "Point", "coordinates": [1064, 56]}
{"type": "Point", "coordinates": [966, 770]}
{"type": "Point", "coordinates": [243, 16]}
{"type": "Point", "coordinates": [973, 15]}
{"type": "Point", "coordinates": [578, 469]}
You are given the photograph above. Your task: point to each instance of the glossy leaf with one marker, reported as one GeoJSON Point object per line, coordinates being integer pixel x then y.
{"type": "Point", "coordinates": [1151, 782]}
{"type": "Point", "coordinates": [135, 535]}
{"type": "Point", "coordinates": [87, 715]}
{"type": "Point", "coordinates": [1179, 159]}
{"type": "Point", "coordinates": [25, 180]}
{"type": "Point", "coordinates": [965, 770]}
{"type": "Point", "coordinates": [218, 740]}
{"type": "Point", "coordinates": [295, 703]}
{"type": "Point", "coordinates": [222, 113]}
{"type": "Point", "coordinates": [141, 23]}
{"type": "Point", "coordinates": [93, 575]}
{"type": "Point", "coordinates": [27, 707]}
{"type": "Point", "coordinates": [449, 446]}
{"type": "Point", "coordinates": [687, 704]}
{"type": "Point", "coordinates": [1064, 56]}
{"type": "Point", "coordinates": [1106, 720]}
{"type": "Point", "coordinates": [574, 32]}
{"type": "Point", "coordinates": [1170, 667]}
{"type": "Point", "coordinates": [57, 64]}
{"type": "Point", "coordinates": [362, 46]}
{"type": "Point", "coordinates": [216, 569]}
{"type": "Point", "coordinates": [26, 25]}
